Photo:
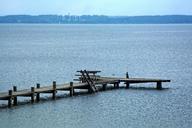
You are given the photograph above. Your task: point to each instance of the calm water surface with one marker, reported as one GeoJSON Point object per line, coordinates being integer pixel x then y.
{"type": "Point", "coordinates": [43, 53]}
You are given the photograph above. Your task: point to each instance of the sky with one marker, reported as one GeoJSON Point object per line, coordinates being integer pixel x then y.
{"type": "Point", "coordinates": [96, 7]}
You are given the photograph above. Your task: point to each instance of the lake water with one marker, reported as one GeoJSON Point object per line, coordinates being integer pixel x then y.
{"type": "Point", "coordinates": [31, 54]}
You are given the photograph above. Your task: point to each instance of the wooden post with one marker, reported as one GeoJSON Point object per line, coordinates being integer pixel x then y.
{"type": "Point", "coordinates": [127, 83]}
{"type": "Point", "coordinates": [89, 90]}
{"type": "Point", "coordinates": [117, 84]}
{"type": "Point", "coordinates": [71, 89]}
{"type": "Point", "coordinates": [82, 79]}
{"type": "Point", "coordinates": [159, 85]}
{"type": "Point", "coordinates": [54, 90]}
{"type": "Point", "coordinates": [38, 94]}
{"type": "Point", "coordinates": [32, 94]}
{"type": "Point", "coordinates": [127, 75]}
{"type": "Point", "coordinates": [15, 98]}
{"type": "Point", "coordinates": [104, 87]}
{"type": "Point", "coordinates": [10, 98]}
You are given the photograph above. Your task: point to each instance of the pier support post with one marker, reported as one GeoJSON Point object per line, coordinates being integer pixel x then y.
{"type": "Point", "coordinates": [38, 94]}
{"type": "Point", "coordinates": [32, 94]}
{"type": "Point", "coordinates": [89, 90]}
{"type": "Point", "coordinates": [54, 90]}
{"type": "Point", "coordinates": [71, 89]}
{"type": "Point", "coordinates": [116, 84]}
{"type": "Point", "coordinates": [127, 75]}
{"type": "Point", "coordinates": [10, 98]}
{"type": "Point", "coordinates": [127, 83]}
{"type": "Point", "coordinates": [104, 87]}
{"type": "Point", "coordinates": [15, 98]}
{"type": "Point", "coordinates": [159, 85]}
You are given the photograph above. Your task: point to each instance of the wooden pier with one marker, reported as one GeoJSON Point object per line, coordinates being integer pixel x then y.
{"type": "Point", "coordinates": [88, 80]}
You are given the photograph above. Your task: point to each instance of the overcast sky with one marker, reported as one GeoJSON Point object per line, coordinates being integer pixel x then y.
{"type": "Point", "coordinates": [99, 7]}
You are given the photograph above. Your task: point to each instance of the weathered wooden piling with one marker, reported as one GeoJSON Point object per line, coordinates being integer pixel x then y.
{"type": "Point", "coordinates": [10, 98]}
{"type": "Point", "coordinates": [89, 90]}
{"type": "Point", "coordinates": [32, 94]}
{"type": "Point", "coordinates": [71, 89]}
{"type": "Point", "coordinates": [127, 83]}
{"type": "Point", "coordinates": [54, 90]}
{"type": "Point", "coordinates": [116, 84]}
{"type": "Point", "coordinates": [104, 87]}
{"type": "Point", "coordinates": [38, 94]}
{"type": "Point", "coordinates": [159, 85]}
{"type": "Point", "coordinates": [127, 75]}
{"type": "Point", "coordinates": [15, 98]}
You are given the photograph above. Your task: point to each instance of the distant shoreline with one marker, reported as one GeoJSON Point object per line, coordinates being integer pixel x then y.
{"type": "Point", "coordinates": [95, 19]}
{"type": "Point", "coordinates": [93, 24]}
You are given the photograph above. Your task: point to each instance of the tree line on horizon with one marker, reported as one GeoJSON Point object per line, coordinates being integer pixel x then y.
{"type": "Point", "coordinates": [97, 19]}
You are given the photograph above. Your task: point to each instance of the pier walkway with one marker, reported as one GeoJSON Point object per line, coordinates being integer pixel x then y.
{"type": "Point", "coordinates": [86, 80]}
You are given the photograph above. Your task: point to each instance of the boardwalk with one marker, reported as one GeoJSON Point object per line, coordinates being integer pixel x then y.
{"type": "Point", "coordinates": [87, 80]}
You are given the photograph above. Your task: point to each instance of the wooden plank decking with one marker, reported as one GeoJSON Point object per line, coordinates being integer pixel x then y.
{"type": "Point", "coordinates": [87, 81]}
{"type": "Point", "coordinates": [134, 80]}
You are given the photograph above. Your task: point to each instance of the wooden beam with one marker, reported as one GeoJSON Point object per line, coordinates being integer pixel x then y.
{"type": "Point", "coordinates": [89, 71]}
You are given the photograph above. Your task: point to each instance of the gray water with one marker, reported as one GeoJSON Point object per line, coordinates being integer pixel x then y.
{"type": "Point", "coordinates": [31, 54]}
